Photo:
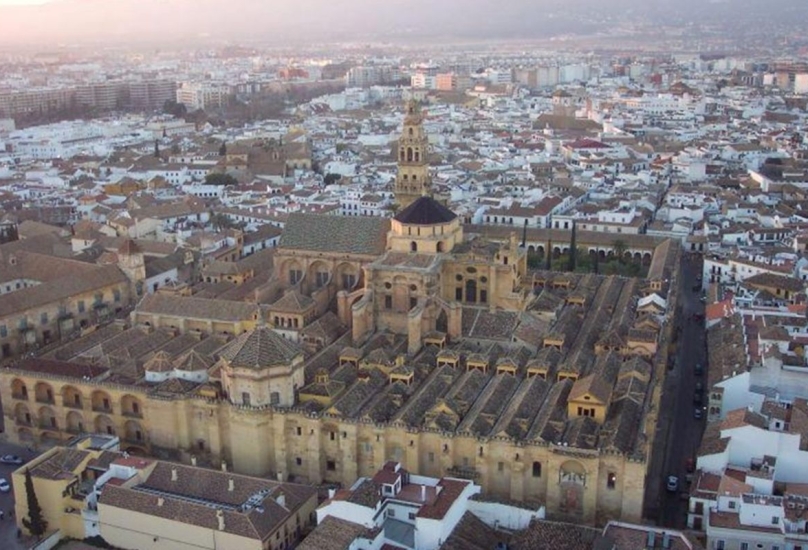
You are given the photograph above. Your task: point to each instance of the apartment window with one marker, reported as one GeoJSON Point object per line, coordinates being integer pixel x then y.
{"type": "Point", "coordinates": [611, 480]}
{"type": "Point", "coordinates": [537, 469]}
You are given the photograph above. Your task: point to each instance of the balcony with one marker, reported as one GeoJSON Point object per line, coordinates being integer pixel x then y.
{"type": "Point", "coordinates": [22, 396]}
{"type": "Point", "coordinates": [102, 409]}
{"type": "Point", "coordinates": [68, 404]}
{"type": "Point", "coordinates": [45, 399]}
{"type": "Point", "coordinates": [23, 422]}
{"type": "Point", "coordinates": [132, 414]}
{"type": "Point", "coordinates": [463, 472]}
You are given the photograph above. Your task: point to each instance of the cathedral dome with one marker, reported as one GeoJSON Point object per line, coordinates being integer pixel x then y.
{"type": "Point", "coordinates": [425, 211]}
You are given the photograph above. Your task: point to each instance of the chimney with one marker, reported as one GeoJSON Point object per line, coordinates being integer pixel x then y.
{"type": "Point", "coordinates": [193, 460]}
{"type": "Point", "coordinates": [651, 541]}
{"type": "Point", "coordinates": [173, 474]}
{"type": "Point", "coordinates": [224, 465]}
{"type": "Point", "coordinates": [423, 493]}
{"type": "Point", "coordinates": [160, 501]}
{"type": "Point", "coordinates": [281, 500]}
{"type": "Point", "coordinates": [220, 519]}
{"type": "Point", "coordinates": [231, 485]}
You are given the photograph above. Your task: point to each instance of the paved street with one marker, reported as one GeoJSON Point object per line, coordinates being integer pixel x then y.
{"type": "Point", "coordinates": [8, 529]}
{"type": "Point", "coordinates": [678, 406]}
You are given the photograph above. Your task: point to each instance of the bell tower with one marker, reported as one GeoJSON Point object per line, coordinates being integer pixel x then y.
{"type": "Point", "coordinates": [412, 180]}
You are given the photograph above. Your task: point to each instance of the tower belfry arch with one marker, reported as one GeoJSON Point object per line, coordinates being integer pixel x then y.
{"type": "Point", "coordinates": [413, 179]}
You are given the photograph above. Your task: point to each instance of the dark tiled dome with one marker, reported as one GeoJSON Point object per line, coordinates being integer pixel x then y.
{"type": "Point", "coordinates": [425, 211]}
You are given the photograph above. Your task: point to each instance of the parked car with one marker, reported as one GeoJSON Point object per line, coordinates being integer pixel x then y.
{"type": "Point", "coordinates": [697, 413]}
{"type": "Point", "coordinates": [699, 386]}
{"type": "Point", "coordinates": [697, 399]}
{"type": "Point", "coordinates": [10, 459]}
{"type": "Point", "coordinates": [698, 370]}
{"type": "Point", "coordinates": [672, 484]}
{"type": "Point", "coordinates": [4, 486]}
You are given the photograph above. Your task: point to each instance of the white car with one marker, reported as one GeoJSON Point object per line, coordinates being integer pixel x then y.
{"type": "Point", "coordinates": [4, 486]}
{"type": "Point", "coordinates": [672, 484]}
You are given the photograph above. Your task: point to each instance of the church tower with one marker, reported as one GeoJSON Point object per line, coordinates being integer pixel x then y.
{"type": "Point", "coordinates": [413, 180]}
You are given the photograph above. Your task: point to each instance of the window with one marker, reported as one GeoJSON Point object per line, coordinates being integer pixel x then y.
{"type": "Point", "coordinates": [537, 469]}
{"type": "Point", "coordinates": [611, 480]}
{"type": "Point", "coordinates": [245, 398]}
{"type": "Point", "coordinates": [412, 516]}
{"type": "Point", "coordinates": [299, 431]}
{"type": "Point", "coordinates": [294, 276]}
{"type": "Point", "coordinates": [483, 296]}
{"type": "Point", "coordinates": [3, 331]}
{"type": "Point", "coordinates": [413, 302]}
{"type": "Point", "coordinates": [330, 465]}
{"type": "Point", "coordinates": [299, 461]}
{"type": "Point", "coordinates": [391, 513]}
{"type": "Point", "coordinates": [744, 546]}
{"type": "Point", "coordinates": [459, 294]}
{"type": "Point", "coordinates": [274, 398]}
{"type": "Point", "coordinates": [388, 302]}
{"type": "Point", "coordinates": [431, 457]}
{"type": "Point", "coordinates": [332, 436]}
{"type": "Point", "coordinates": [500, 467]}
{"type": "Point", "coordinates": [731, 504]}
{"type": "Point", "coordinates": [321, 278]}
{"type": "Point", "coordinates": [135, 408]}
{"type": "Point", "coordinates": [775, 520]}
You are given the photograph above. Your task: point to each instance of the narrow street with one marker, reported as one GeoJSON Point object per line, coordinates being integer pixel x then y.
{"type": "Point", "coordinates": [680, 432]}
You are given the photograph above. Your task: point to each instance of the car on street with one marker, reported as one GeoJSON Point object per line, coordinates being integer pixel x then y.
{"type": "Point", "coordinates": [696, 287]}
{"type": "Point", "coordinates": [10, 459]}
{"type": "Point", "coordinates": [699, 386]}
{"type": "Point", "coordinates": [698, 369]}
{"type": "Point", "coordinates": [672, 484]}
{"type": "Point", "coordinates": [4, 486]}
{"type": "Point", "coordinates": [697, 413]}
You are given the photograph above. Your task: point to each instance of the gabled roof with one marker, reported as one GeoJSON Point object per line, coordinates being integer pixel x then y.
{"type": "Point", "coordinates": [340, 234]}
{"type": "Point", "coordinates": [425, 211]}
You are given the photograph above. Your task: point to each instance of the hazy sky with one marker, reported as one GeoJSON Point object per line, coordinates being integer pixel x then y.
{"type": "Point", "coordinates": [111, 21]}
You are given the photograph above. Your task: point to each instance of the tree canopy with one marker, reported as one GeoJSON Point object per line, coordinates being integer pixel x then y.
{"type": "Point", "coordinates": [35, 522]}
{"type": "Point", "coordinates": [220, 179]}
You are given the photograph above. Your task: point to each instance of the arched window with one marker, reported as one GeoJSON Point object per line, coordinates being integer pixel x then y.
{"type": "Point", "coordinates": [410, 131]}
{"type": "Point", "coordinates": [537, 469]}
{"type": "Point", "coordinates": [409, 154]}
{"type": "Point", "coordinates": [440, 246]}
{"type": "Point", "coordinates": [413, 246]}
